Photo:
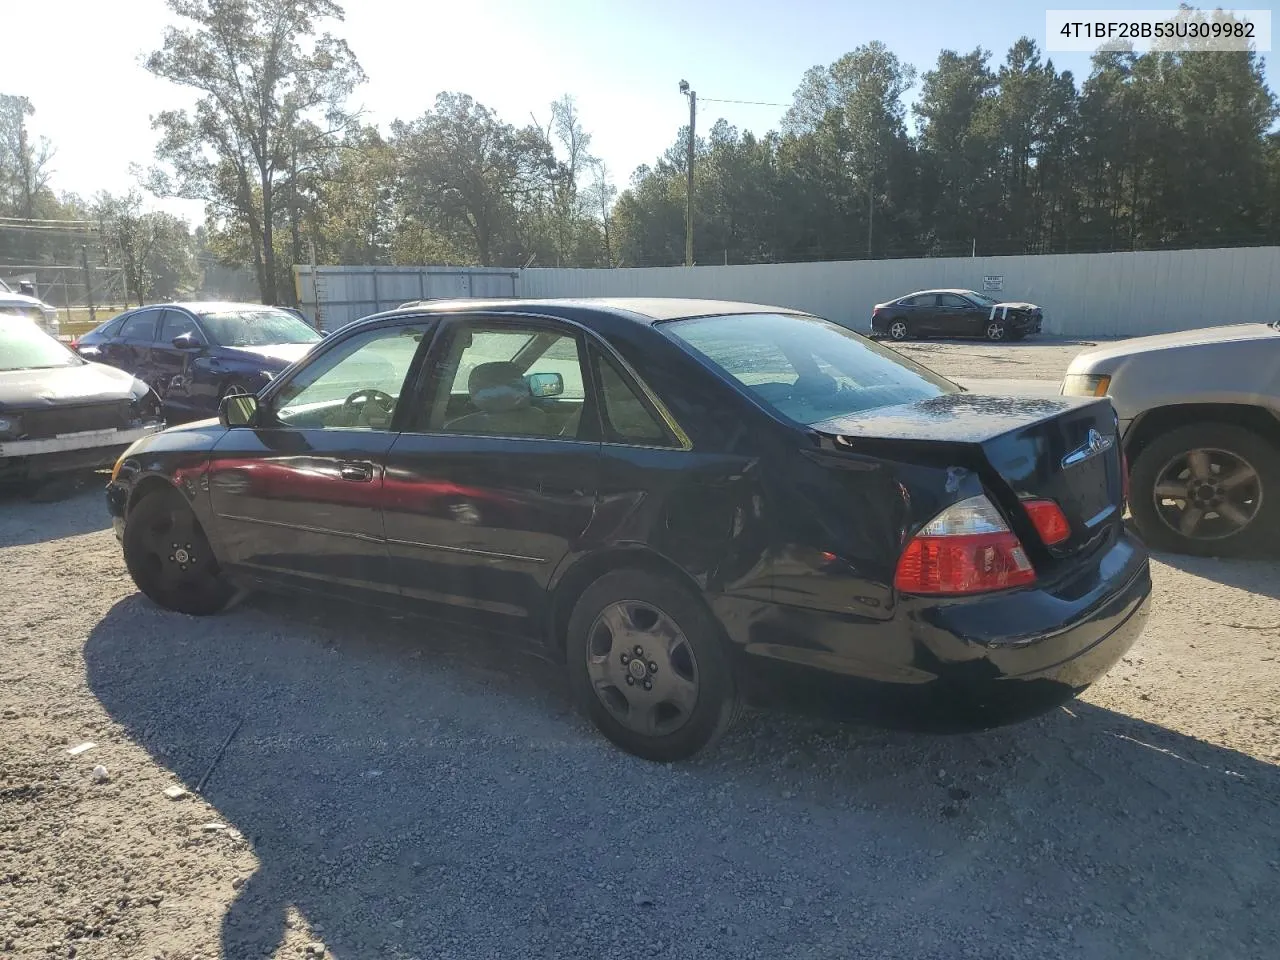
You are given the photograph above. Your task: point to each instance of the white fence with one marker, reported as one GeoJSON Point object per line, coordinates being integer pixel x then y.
{"type": "Point", "coordinates": [1083, 295]}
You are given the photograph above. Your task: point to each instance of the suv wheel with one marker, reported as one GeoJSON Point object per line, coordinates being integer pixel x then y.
{"type": "Point", "coordinates": [1206, 489]}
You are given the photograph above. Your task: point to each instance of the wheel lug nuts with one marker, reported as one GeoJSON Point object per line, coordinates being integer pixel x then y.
{"type": "Point", "coordinates": [625, 659]}
{"type": "Point", "coordinates": [639, 651]}
{"type": "Point", "coordinates": [631, 681]}
{"type": "Point", "coordinates": [653, 667]}
{"type": "Point", "coordinates": [648, 685]}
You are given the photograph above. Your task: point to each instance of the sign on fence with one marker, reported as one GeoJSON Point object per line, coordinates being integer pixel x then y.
{"type": "Point", "coordinates": [993, 283]}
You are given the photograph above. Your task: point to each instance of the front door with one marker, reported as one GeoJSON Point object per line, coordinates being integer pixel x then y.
{"type": "Point", "coordinates": [494, 481]}
{"type": "Point", "coordinates": [171, 365]}
{"type": "Point", "coordinates": [299, 498]}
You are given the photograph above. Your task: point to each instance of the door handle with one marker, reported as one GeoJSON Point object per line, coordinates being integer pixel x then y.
{"type": "Point", "coordinates": [356, 472]}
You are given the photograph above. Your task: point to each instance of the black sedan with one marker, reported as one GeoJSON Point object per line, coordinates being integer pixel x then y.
{"type": "Point", "coordinates": [691, 502]}
{"type": "Point", "coordinates": [955, 313]}
{"type": "Point", "coordinates": [60, 413]}
{"type": "Point", "coordinates": [194, 354]}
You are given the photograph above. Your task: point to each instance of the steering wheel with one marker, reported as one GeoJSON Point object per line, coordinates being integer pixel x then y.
{"type": "Point", "coordinates": [383, 401]}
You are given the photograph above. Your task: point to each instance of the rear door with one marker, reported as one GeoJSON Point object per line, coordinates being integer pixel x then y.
{"type": "Point", "coordinates": [299, 499]}
{"type": "Point", "coordinates": [130, 348]}
{"type": "Point", "coordinates": [492, 483]}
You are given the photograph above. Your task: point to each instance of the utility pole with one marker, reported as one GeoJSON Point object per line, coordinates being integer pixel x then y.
{"type": "Point", "coordinates": [871, 212]}
{"type": "Point", "coordinates": [688, 200]}
{"type": "Point", "coordinates": [88, 283]}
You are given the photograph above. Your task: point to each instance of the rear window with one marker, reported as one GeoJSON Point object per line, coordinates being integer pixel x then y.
{"type": "Point", "coordinates": [805, 368]}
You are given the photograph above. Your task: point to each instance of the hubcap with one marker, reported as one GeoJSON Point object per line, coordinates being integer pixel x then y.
{"type": "Point", "coordinates": [1207, 494]}
{"type": "Point", "coordinates": [642, 668]}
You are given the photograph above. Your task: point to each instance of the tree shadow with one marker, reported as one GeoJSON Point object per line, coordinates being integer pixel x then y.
{"type": "Point", "coordinates": [63, 507]}
{"type": "Point", "coordinates": [421, 792]}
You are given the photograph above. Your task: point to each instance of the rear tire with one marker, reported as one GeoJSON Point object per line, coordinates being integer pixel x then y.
{"type": "Point", "coordinates": [169, 557]}
{"type": "Point", "coordinates": [1239, 480]}
{"type": "Point", "coordinates": [648, 664]}
{"type": "Point", "coordinates": [899, 330]}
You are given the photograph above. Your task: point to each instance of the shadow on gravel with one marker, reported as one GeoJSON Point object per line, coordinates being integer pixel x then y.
{"type": "Point", "coordinates": [1260, 576]}
{"type": "Point", "coordinates": [417, 793]}
{"type": "Point", "coordinates": [63, 507]}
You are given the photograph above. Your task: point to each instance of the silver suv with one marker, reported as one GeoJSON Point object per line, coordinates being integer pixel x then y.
{"type": "Point", "coordinates": [26, 304]}
{"type": "Point", "coordinates": [1200, 421]}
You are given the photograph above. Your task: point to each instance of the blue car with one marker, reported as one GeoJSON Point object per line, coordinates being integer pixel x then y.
{"type": "Point", "coordinates": [194, 354]}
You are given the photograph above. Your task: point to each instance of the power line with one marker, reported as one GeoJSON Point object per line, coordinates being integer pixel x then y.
{"type": "Point", "coordinates": [748, 103]}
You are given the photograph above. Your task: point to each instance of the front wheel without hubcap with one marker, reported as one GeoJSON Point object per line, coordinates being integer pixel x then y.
{"type": "Point", "coordinates": [648, 665]}
{"type": "Point", "coordinates": [169, 557]}
{"type": "Point", "coordinates": [996, 330]}
{"type": "Point", "coordinates": [1206, 489]}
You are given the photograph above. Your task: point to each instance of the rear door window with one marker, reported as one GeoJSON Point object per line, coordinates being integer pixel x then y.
{"type": "Point", "coordinates": [141, 326]}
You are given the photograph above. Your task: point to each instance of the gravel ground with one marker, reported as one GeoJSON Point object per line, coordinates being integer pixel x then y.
{"type": "Point", "coordinates": [396, 791]}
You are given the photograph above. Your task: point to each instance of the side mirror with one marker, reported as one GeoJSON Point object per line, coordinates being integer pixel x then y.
{"type": "Point", "coordinates": [26, 288]}
{"type": "Point", "coordinates": [187, 341]}
{"type": "Point", "coordinates": [545, 385]}
{"type": "Point", "coordinates": [238, 410]}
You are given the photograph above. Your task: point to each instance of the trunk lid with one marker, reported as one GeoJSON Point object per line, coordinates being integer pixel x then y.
{"type": "Point", "coordinates": [1064, 449]}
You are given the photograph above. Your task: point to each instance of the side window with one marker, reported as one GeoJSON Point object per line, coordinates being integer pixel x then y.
{"type": "Point", "coordinates": [354, 386]}
{"type": "Point", "coordinates": [141, 326]}
{"type": "Point", "coordinates": [176, 323]}
{"type": "Point", "coordinates": [627, 418]}
{"type": "Point", "coordinates": [951, 300]}
{"type": "Point", "coordinates": [112, 327]}
{"type": "Point", "coordinates": [508, 380]}
{"type": "Point", "coordinates": [911, 301]}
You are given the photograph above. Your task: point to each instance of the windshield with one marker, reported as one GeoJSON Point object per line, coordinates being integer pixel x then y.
{"type": "Point", "coordinates": [808, 369]}
{"type": "Point", "coordinates": [980, 298]}
{"type": "Point", "coordinates": [24, 346]}
{"type": "Point", "coordinates": [257, 328]}
{"type": "Point", "coordinates": [5, 288]}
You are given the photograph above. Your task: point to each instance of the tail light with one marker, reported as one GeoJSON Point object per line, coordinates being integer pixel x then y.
{"type": "Point", "coordinates": [75, 343]}
{"type": "Point", "coordinates": [1049, 521]}
{"type": "Point", "coordinates": [967, 548]}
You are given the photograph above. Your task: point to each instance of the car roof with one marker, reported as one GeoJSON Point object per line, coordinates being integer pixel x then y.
{"type": "Point", "coordinates": [647, 310]}
{"type": "Point", "coordinates": [959, 290]}
{"type": "Point", "coordinates": [208, 306]}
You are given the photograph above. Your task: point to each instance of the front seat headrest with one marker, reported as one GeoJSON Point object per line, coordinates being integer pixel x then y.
{"type": "Point", "coordinates": [498, 387]}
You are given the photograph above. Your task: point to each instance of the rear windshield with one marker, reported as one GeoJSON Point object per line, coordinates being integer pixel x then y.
{"type": "Point", "coordinates": [257, 328]}
{"type": "Point", "coordinates": [808, 369]}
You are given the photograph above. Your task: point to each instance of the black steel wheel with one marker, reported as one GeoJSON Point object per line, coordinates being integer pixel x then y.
{"type": "Point", "coordinates": [169, 556]}
{"type": "Point", "coordinates": [1206, 489]}
{"type": "Point", "coordinates": [649, 666]}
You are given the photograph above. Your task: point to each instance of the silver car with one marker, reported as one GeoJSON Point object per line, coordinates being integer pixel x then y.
{"type": "Point", "coordinates": [1200, 421]}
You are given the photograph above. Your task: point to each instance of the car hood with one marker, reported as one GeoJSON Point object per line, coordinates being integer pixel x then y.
{"type": "Point", "coordinates": [1111, 353]}
{"type": "Point", "coordinates": [67, 386]}
{"type": "Point", "coordinates": [276, 354]}
{"type": "Point", "coordinates": [1015, 305]}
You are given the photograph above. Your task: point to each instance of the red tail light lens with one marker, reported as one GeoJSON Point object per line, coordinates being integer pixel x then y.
{"type": "Point", "coordinates": [1049, 521]}
{"type": "Point", "coordinates": [968, 548]}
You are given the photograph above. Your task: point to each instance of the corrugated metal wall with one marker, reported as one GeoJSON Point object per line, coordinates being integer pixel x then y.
{"type": "Point", "coordinates": [1083, 295]}
{"type": "Point", "coordinates": [349, 293]}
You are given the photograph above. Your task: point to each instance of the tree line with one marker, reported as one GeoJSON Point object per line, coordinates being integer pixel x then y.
{"type": "Point", "coordinates": [1157, 150]}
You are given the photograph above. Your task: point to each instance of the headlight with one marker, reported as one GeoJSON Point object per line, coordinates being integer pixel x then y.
{"type": "Point", "coordinates": [1085, 385]}
{"type": "Point", "coordinates": [9, 427]}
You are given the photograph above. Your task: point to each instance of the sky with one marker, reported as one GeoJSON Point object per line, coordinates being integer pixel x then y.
{"type": "Point", "coordinates": [80, 64]}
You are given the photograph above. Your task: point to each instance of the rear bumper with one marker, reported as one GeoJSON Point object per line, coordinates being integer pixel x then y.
{"type": "Point", "coordinates": [962, 664]}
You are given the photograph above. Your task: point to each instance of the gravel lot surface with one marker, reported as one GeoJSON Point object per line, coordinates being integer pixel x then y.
{"type": "Point", "coordinates": [397, 791]}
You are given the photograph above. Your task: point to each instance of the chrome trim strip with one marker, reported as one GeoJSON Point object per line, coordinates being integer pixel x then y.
{"type": "Point", "coordinates": [303, 527]}
{"type": "Point", "coordinates": [1101, 515]}
{"type": "Point", "coordinates": [470, 551]}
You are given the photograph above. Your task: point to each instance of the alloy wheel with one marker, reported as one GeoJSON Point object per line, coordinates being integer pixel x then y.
{"type": "Point", "coordinates": [1207, 494]}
